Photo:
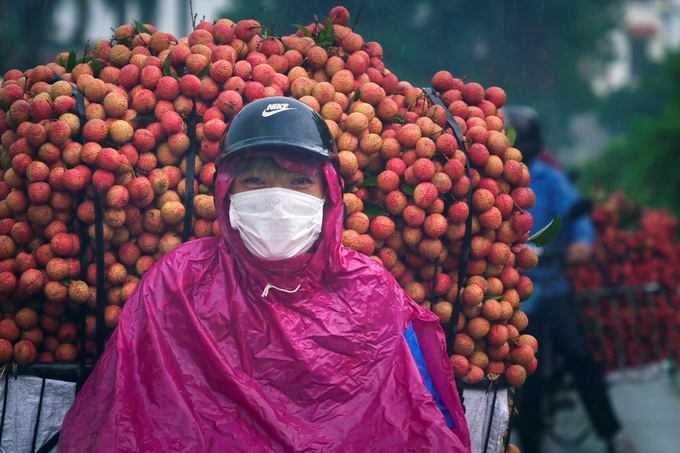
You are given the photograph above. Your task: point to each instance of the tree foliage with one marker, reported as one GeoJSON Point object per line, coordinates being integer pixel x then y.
{"type": "Point", "coordinates": [643, 162]}
{"type": "Point", "coordinates": [29, 29]}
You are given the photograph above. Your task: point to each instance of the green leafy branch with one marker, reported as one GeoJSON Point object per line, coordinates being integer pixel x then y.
{"type": "Point", "coordinates": [323, 36]}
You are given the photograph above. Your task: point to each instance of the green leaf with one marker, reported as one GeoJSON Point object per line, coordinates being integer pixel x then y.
{"type": "Point", "coordinates": [71, 61]}
{"type": "Point", "coordinates": [408, 190]}
{"type": "Point", "coordinates": [203, 72]}
{"type": "Point", "coordinates": [371, 182]}
{"type": "Point", "coordinates": [68, 63]}
{"type": "Point", "coordinates": [441, 158]}
{"type": "Point", "coordinates": [354, 98]}
{"type": "Point", "coordinates": [373, 209]}
{"type": "Point", "coordinates": [85, 59]}
{"type": "Point", "coordinates": [349, 188]}
{"type": "Point", "coordinates": [399, 119]}
{"type": "Point", "coordinates": [304, 30]}
{"type": "Point", "coordinates": [326, 36]}
{"type": "Point", "coordinates": [140, 28]}
{"type": "Point", "coordinates": [512, 135]}
{"type": "Point", "coordinates": [547, 233]}
{"type": "Point", "coordinates": [150, 117]}
{"type": "Point", "coordinates": [166, 66]}
{"type": "Point", "coordinates": [62, 62]}
{"type": "Point", "coordinates": [97, 66]}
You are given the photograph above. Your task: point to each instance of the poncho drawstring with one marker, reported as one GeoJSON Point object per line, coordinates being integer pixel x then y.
{"type": "Point", "coordinates": [270, 286]}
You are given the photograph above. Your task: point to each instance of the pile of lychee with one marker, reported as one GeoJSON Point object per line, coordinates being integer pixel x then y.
{"type": "Point", "coordinates": [629, 296]}
{"type": "Point", "coordinates": [433, 188]}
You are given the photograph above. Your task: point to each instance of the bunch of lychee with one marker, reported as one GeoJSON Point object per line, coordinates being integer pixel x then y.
{"type": "Point", "coordinates": [628, 296]}
{"type": "Point", "coordinates": [111, 159]}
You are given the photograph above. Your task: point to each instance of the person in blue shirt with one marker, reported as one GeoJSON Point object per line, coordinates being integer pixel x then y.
{"type": "Point", "coordinates": [552, 317]}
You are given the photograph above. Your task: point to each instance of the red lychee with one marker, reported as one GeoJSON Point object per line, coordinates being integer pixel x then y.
{"type": "Point", "coordinates": [523, 355]}
{"type": "Point", "coordinates": [491, 309]}
{"type": "Point", "coordinates": [463, 344]}
{"type": "Point", "coordinates": [475, 375]}
{"type": "Point", "coordinates": [498, 334]}
{"type": "Point", "coordinates": [6, 350]}
{"type": "Point", "coordinates": [381, 227]}
{"type": "Point", "coordinates": [478, 328]}
{"type": "Point", "coordinates": [9, 330]}
{"type": "Point", "coordinates": [425, 194]}
{"type": "Point", "coordinates": [388, 181]}
{"type": "Point", "coordinates": [515, 375]}
{"type": "Point", "coordinates": [460, 364]}
{"type": "Point", "coordinates": [26, 318]}
{"type": "Point", "coordinates": [66, 352]}
{"type": "Point", "coordinates": [482, 200]}
{"type": "Point", "coordinates": [24, 352]}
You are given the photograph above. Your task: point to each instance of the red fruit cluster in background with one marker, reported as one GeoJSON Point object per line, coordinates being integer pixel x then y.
{"type": "Point", "coordinates": [629, 296]}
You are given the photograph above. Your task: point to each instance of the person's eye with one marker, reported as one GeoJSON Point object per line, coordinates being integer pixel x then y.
{"type": "Point", "coordinates": [252, 180]}
{"type": "Point", "coordinates": [302, 181]}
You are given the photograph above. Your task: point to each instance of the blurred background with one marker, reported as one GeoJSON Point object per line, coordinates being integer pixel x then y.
{"type": "Point", "coordinates": [602, 75]}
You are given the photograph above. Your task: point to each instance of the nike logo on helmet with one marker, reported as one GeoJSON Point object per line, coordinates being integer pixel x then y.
{"type": "Point", "coordinates": [273, 109]}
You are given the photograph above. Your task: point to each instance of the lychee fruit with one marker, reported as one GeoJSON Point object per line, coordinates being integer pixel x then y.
{"type": "Point", "coordinates": [519, 319]}
{"type": "Point", "coordinates": [491, 310]}
{"type": "Point", "coordinates": [475, 375]}
{"type": "Point", "coordinates": [523, 355]}
{"type": "Point", "coordinates": [498, 334]}
{"type": "Point", "coordinates": [516, 375]}
{"type": "Point", "coordinates": [388, 181]}
{"type": "Point", "coordinates": [435, 225]}
{"type": "Point", "coordinates": [478, 328]}
{"type": "Point", "coordinates": [381, 227]}
{"type": "Point", "coordinates": [482, 200]}
{"type": "Point", "coordinates": [9, 330]}
{"type": "Point", "coordinates": [173, 212]}
{"type": "Point", "coordinates": [24, 352]}
{"type": "Point", "coordinates": [26, 318]}
{"type": "Point", "coordinates": [66, 352]}
{"type": "Point", "coordinates": [460, 365]}
{"type": "Point", "coordinates": [425, 194]}
{"type": "Point", "coordinates": [463, 344]}
{"type": "Point", "coordinates": [527, 339]}
{"type": "Point", "coordinates": [6, 350]}
{"type": "Point", "coordinates": [443, 309]}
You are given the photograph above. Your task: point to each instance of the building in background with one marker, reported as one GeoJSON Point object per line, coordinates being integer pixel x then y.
{"type": "Point", "coordinates": [649, 30]}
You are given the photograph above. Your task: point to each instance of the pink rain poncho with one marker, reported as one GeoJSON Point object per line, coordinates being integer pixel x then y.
{"type": "Point", "coordinates": [217, 351]}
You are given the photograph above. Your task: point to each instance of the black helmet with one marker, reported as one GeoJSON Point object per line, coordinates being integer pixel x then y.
{"type": "Point", "coordinates": [529, 138]}
{"type": "Point", "coordinates": [278, 122]}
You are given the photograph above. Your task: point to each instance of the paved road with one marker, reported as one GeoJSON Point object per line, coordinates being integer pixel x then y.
{"type": "Point", "coordinates": [648, 404]}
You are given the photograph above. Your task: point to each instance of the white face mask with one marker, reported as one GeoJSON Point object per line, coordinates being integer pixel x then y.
{"type": "Point", "coordinates": [276, 223]}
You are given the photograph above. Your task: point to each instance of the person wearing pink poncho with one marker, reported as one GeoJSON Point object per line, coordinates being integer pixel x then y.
{"type": "Point", "coordinates": [272, 337]}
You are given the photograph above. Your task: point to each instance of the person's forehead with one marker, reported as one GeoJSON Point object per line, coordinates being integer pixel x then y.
{"type": "Point", "coordinates": [280, 163]}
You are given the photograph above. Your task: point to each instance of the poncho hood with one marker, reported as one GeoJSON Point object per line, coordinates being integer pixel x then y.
{"type": "Point", "coordinates": [218, 351]}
